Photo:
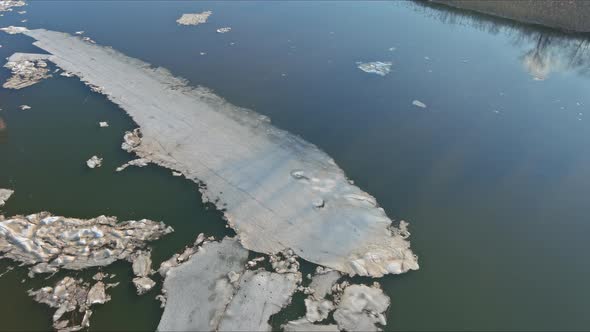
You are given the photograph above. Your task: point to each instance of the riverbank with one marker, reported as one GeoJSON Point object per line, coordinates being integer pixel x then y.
{"type": "Point", "coordinates": [571, 15]}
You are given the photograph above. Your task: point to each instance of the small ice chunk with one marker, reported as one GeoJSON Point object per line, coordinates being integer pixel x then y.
{"type": "Point", "coordinates": [5, 195]}
{"type": "Point", "coordinates": [103, 124]}
{"type": "Point", "coordinates": [143, 284]}
{"type": "Point", "coordinates": [224, 30]}
{"type": "Point", "coordinates": [376, 67]}
{"type": "Point", "coordinates": [24, 107]}
{"type": "Point", "coordinates": [418, 104]}
{"type": "Point", "coordinates": [94, 162]}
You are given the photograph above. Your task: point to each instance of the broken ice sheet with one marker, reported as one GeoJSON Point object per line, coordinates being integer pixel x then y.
{"type": "Point", "coordinates": [270, 212]}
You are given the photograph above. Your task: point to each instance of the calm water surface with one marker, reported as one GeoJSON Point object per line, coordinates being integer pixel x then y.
{"type": "Point", "coordinates": [493, 176]}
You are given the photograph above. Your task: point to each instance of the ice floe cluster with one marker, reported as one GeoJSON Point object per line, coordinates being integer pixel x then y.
{"type": "Point", "coordinates": [11, 30]}
{"type": "Point", "coordinates": [7, 5]}
{"type": "Point", "coordinates": [354, 307]}
{"type": "Point", "coordinates": [282, 212]}
{"type": "Point", "coordinates": [142, 268]}
{"type": "Point", "coordinates": [226, 295]}
{"type": "Point", "coordinates": [228, 150]}
{"type": "Point", "coordinates": [229, 295]}
{"type": "Point", "coordinates": [69, 295]}
{"type": "Point", "coordinates": [27, 69]}
{"type": "Point", "coordinates": [51, 242]}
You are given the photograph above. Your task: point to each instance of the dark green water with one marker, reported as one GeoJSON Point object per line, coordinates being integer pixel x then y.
{"type": "Point", "coordinates": [493, 176]}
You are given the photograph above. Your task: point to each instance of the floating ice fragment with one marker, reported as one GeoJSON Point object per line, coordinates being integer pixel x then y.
{"type": "Point", "coordinates": [67, 296]}
{"type": "Point", "coordinates": [143, 284]}
{"type": "Point", "coordinates": [224, 30]}
{"type": "Point", "coordinates": [5, 195]}
{"type": "Point", "coordinates": [376, 67]}
{"type": "Point", "coordinates": [194, 19]}
{"type": "Point", "coordinates": [103, 124]}
{"type": "Point", "coordinates": [94, 162]}
{"type": "Point", "coordinates": [418, 104]}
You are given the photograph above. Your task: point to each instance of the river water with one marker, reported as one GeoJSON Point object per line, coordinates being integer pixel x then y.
{"type": "Point", "coordinates": [493, 175]}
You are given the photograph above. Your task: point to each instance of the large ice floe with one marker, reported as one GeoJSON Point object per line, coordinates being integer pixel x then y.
{"type": "Point", "coordinates": [277, 191]}
{"type": "Point", "coordinates": [51, 243]}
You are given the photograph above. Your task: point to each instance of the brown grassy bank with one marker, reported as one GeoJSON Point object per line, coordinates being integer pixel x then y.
{"type": "Point", "coordinates": [569, 15]}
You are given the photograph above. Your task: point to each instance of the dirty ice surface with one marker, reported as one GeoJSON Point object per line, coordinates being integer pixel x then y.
{"type": "Point", "coordinates": [27, 69]}
{"type": "Point", "coordinates": [277, 191]}
{"type": "Point", "coordinates": [51, 242]}
{"type": "Point", "coordinates": [70, 295]}
{"type": "Point", "coordinates": [194, 19]}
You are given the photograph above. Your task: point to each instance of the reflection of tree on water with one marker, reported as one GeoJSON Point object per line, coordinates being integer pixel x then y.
{"type": "Point", "coordinates": [2, 130]}
{"type": "Point", "coordinates": [540, 61]}
{"type": "Point", "coordinates": [557, 54]}
{"type": "Point", "coordinates": [550, 51]}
